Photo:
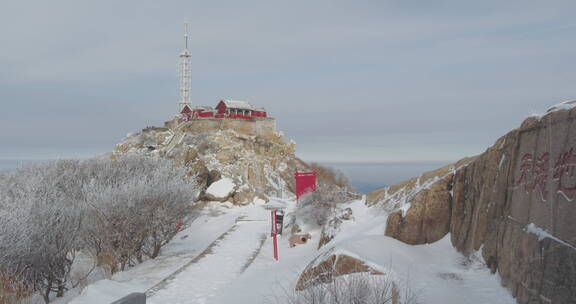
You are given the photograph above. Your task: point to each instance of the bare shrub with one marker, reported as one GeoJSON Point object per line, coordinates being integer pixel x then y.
{"type": "Point", "coordinates": [317, 207]}
{"type": "Point", "coordinates": [11, 292]}
{"type": "Point", "coordinates": [358, 288]}
{"type": "Point", "coordinates": [330, 176]}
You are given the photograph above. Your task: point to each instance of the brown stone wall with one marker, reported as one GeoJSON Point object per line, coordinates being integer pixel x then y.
{"type": "Point", "coordinates": [263, 127]}
{"type": "Point", "coordinates": [525, 178]}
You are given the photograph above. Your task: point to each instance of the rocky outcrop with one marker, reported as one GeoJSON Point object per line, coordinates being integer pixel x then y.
{"type": "Point", "coordinates": [428, 219]}
{"type": "Point", "coordinates": [251, 153]}
{"type": "Point", "coordinates": [515, 202]}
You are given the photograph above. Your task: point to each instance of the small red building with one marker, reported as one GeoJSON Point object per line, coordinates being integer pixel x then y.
{"type": "Point", "coordinates": [226, 108]}
{"type": "Point", "coordinates": [186, 113]}
{"type": "Point", "coordinates": [203, 111]}
{"type": "Point", "coordinates": [239, 109]}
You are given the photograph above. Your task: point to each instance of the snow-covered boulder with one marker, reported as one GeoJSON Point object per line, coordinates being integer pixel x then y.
{"type": "Point", "coordinates": [326, 267]}
{"type": "Point", "coordinates": [220, 190]}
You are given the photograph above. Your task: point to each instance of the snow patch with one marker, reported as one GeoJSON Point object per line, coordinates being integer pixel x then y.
{"type": "Point", "coordinates": [566, 105]}
{"type": "Point", "coordinates": [502, 161]}
{"type": "Point", "coordinates": [543, 234]}
{"type": "Point", "coordinates": [221, 188]}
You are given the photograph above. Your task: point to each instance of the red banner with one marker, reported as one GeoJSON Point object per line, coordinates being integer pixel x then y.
{"type": "Point", "coordinates": [305, 183]}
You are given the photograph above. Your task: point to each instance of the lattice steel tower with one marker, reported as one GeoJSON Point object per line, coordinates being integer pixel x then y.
{"type": "Point", "coordinates": [185, 77]}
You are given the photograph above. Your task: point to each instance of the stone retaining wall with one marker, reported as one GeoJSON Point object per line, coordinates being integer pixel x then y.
{"type": "Point", "coordinates": [262, 127]}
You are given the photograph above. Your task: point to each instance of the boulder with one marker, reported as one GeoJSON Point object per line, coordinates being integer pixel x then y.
{"type": "Point", "coordinates": [213, 176]}
{"type": "Point", "coordinates": [428, 218]}
{"type": "Point", "coordinates": [299, 239]}
{"type": "Point", "coordinates": [330, 267]}
{"type": "Point", "coordinates": [220, 190]}
{"type": "Point", "coordinates": [243, 197]}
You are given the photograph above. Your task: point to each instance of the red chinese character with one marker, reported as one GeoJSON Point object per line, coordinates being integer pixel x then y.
{"type": "Point", "coordinates": [534, 173]}
{"type": "Point", "coordinates": [540, 181]}
{"type": "Point", "coordinates": [526, 171]}
{"type": "Point", "coordinates": [564, 170]}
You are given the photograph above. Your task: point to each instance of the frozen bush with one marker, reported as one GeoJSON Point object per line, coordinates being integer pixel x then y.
{"type": "Point", "coordinates": [315, 208]}
{"type": "Point", "coordinates": [40, 222]}
{"type": "Point", "coordinates": [328, 176]}
{"type": "Point", "coordinates": [124, 209]}
{"type": "Point", "coordinates": [135, 209]}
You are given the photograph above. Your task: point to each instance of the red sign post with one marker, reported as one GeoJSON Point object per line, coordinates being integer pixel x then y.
{"type": "Point", "coordinates": [305, 183]}
{"type": "Point", "coordinates": [275, 234]}
{"type": "Point", "coordinates": [277, 227]}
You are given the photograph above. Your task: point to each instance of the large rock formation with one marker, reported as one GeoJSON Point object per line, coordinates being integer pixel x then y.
{"type": "Point", "coordinates": [516, 202]}
{"type": "Point", "coordinates": [249, 152]}
{"type": "Point", "coordinates": [420, 208]}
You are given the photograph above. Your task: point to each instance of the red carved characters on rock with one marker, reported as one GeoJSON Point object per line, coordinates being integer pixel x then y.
{"type": "Point", "coordinates": [535, 173]}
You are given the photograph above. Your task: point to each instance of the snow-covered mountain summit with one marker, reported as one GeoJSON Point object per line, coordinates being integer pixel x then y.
{"type": "Point", "coordinates": [257, 160]}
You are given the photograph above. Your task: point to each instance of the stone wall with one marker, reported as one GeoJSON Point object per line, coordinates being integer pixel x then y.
{"type": "Point", "coordinates": [516, 202]}
{"type": "Point", "coordinates": [262, 127]}
{"type": "Point", "coordinates": [514, 193]}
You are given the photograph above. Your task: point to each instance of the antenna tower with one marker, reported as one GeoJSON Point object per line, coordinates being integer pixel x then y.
{"type": "Point", "coordinates": [185, 77]}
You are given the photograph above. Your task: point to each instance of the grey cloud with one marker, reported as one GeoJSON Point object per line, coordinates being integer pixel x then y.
{"type": "Point", "coordinates": [348, 80]}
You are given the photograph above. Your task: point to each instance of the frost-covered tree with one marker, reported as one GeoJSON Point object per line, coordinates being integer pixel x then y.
{"type": "Point", "coordinates": [135, 208]}
{"type": "Point", "coordinates": [40, 223]}
{"type": "Point", "coordinates": [122, 210]}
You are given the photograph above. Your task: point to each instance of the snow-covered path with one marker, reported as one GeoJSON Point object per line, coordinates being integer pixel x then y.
{"type": "Point", "coordinates": [226, 257]}
{"type": "Point", "coordinates": [203, 279]}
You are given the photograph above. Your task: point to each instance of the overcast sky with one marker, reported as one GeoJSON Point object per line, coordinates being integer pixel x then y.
{"type": "Point", "coordinates": [347, 80]}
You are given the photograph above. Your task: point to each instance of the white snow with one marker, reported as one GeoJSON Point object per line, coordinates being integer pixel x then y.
{"type": "Point", "coordinates": [209, 277]}
{"type": "Point", "coordinates": [240, 268]}
{"type": "Point", "coordinates": [501, 161]}
{"type": "Point", "coordinates": [566, 105]}
{"type": "Point", "coordinates": [238, 104]}
{"type": "Point", "coordinates": [402, 198]}
{"type": "Point", "coordinates": [543, 234]}
{"type": "Point", "coordinates": [186, 245]}
{"type": "Point", "coordinates": [221, 188]}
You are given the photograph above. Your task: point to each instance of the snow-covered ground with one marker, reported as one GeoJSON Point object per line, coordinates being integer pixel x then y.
{"type": "Point", "coordinates": [436, 272]}
{"type": "Point", "coordinates": [239, 267]}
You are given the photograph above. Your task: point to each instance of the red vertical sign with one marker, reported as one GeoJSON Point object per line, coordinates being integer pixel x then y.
{"type": "Point", "coordinates": [275, 234]}
{"type": "Point", "coordinates": [305, 183]}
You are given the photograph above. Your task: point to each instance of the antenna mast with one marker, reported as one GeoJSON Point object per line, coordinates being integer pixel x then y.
{"type": "Point", "coordinates": [185, 77]}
